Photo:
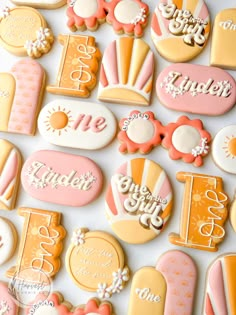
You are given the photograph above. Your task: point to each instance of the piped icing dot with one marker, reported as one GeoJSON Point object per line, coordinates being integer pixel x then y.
{"type": "Point", "coordinates": [185, 138]}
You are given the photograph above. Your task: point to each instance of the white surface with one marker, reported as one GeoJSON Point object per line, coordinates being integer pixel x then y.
{"type": "Point", "coordinates": [109, 159]}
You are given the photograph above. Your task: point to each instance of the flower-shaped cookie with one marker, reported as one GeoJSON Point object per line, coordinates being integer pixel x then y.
{"type": "Point", "coordinates": [84, 14]}
{"type": "Point", "coordinates": [139, 132]}
{"type": "Point", "coordinates": [186, 139]}
{"type": "Point", "coordinates": [93, 306]}
{"type": "Point", "coordinates": [127, 16]}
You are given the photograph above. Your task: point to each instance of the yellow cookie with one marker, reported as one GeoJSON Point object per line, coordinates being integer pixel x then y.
{"type": "Point", "coordinates": [23, 31]}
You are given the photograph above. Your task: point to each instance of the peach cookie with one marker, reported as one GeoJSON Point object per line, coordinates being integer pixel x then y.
{"type": "Point", "coordinates": [41, 243]}
{"type": "Point", "coordinates": [23, 31]}
{"type": "Point", "coordinates": [139, 132]}
{"type": "Point", "coordinates": [7, 304]}
{"type": "Point", "coordinates": [138, 201]}
{"type": "Point", "coordinates": [127, 16]}
{"type": "Point", "coordinates": [8, 240]}
{"type": "Point", "coordinates": [127, 72]}
{"type": "Point", "coordinates": [42, 4]}
{"type": "Point", "coordinates": [187, 140]}
{"type": "Point", "coordinates": [221, 286]}
{"type": "Point", "coordinates": [95, 262]}
{"type": "Point", "coordinates": [148, 292]}
{"type": "Point", "coordinates": [233, 213]}
{"type": "Point", "coordinates": [223, 40]}
{"type": "Point", "coordinates": [202, 229]}
{"type": "Point", "coordinates": [180, 29]}
{"type": "Point", "coordinates": [21, 93]}
{"type": "Point", "coordinates": [10, 166]}
{"type": "Point", "coordinates": [78, 68]}
{"type": "Point", "coordinates": [180, 273]}
{"type": "Point", "coordinates": [224, 149]}
{"type": "Point", "coordinates": [84, 14]}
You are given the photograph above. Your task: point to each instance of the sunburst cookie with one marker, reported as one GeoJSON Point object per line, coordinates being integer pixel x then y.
{"type": "Point", "coordinates": [139, 201]}
{"type": "Point", "coordinates": [127, 16]}
{"type": "Point", "coordinates": [139, 132]}
{"type": "Point", "coordinates": [180, 29]}
{"type": "Point", "coordinates": [23, 31]}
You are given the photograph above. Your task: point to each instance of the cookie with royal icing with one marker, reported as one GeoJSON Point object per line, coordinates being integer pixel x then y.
{"type": "Point", "coordinates": [220, 288]}
{"type": "Point", "coordinates": [233, 213]}
{"type": "Point", "coordinates": [202, 229]}
{"type": "Point", "coordinates": [180, 29]}
{"type": "Point", "coordinates": [224, 149]}
{"type": "Point", "coordinates": [223, 40]}
{"type": "Point", "coordinates": [10, 167]}
{"type": "Point", "coordinates": [24, 31]}
{"type": "Point", "coordinates": [7, 304]}
{"type": "Point", "coordinates": [8, 240]}
{"type": "Point", "coordinates": [21, 93]}
{"type": "Point", "coordinates": [139, 201]}
{"type": "Point", "coordinates": [127, 16]}
{"type": "Point", "coordinates": [126, 73]}
{"type": "Point", "coordinates": [78, 68]}
{"type": "Point", "coordinates": [196, 89]}
{"type": "Point", "coordinates": [85, 14]}
{"type": "Point", "coordinates": [42, 4]}
{"type": "Point", "coordinates": [95, 262]}
{"type": "Point", "coordinates": [139, 132]}
{"type": "Point", "coordinates": [187, 140]}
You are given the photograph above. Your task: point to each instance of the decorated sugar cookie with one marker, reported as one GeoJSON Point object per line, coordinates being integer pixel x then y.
{"type": "Point", "coordinates": [42, 4]}
{"type": "Point", "coordinates": [233, 214]}
{"type": "Point", "coordinates": [139, 132]}
{"type": "Point", "coordinates": [126, 72]}
{"type": "Point", "coordinates": [84, 14]}
{"type": "Point", "coordinates": [202, 229]}
{"type": "Point", "coordinates": [8, 240]}
{"type": "Point", "coordinates": [139, 201]}
{"type": "Point", "coordinates": [127, 16]}
{"type": "Point", "coordinates": [78, 68]}
{"type": "Point", "coordinates": [180, 273]}
{"type": "Point", "coordinates": [23, 31]}
{"type": "Point", "coordinates": [7, 304]}
{"type": "Point", "coordinates": [10, 167]}
{"type": "Point", "coordinates": [187, 140]}
{"type": "Point", "coordinates": [180, 29]}
{"type": "Point", "coordinates": [224, 149]}
{"type": "Point", "coordinates": [95, 262]}
{"type": "Point", "coordinates": [221, 286]}
{"type": "Point", "coordinates": [223, 40]}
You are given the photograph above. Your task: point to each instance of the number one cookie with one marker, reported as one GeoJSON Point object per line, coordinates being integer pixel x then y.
{"type": "Point", "coordinates": [78, 68]}
{"type": "Point", "coordinates": [203, 212]}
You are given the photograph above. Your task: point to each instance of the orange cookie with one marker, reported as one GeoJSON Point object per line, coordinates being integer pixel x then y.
{"type": "Point", "coordinates": [79, 66]}
{"type": "Point", "coordinates": [42, 4]}
{"type": "Point", "coordinates": [41, 243]}
{"type": "Point", "coordinates": [202, 229]}
{"type": "Point", "coordinates": [23, 31]}
{"type": "Point", "coordinates": [95, 261]}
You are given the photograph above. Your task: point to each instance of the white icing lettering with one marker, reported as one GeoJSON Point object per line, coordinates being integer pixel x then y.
{"type": "Point", "coordinates": [228, 25]}
{"type": "Point", "coordinates": [147, 295]}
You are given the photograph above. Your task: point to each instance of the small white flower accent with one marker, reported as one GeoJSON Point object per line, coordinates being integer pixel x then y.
{"type": "Point", "coordinates": [121, 275]}
{"type": "Point", "coordinates": [4, 308]}
{"type": "Point", "coordinates": [140, 17]}
{"type": "Point", "coordinates": [42, 44]}
{"type": "Point", "coordinates": [43, 33]}
{"type": "Point", "coordinates": [104, 292]}
{"type": "Point", "coordinates": [4, 13]}
{"type": "Point", "coordinates": [78, 237]}
{"type": "Point", "coordinates": [131, 118]}
{"type": "Point", "coordinates": [194, 93]}
{"type": "Point", "coordinates": [72, 3]}
{"type": "Point", "coordinates": [203, 148]}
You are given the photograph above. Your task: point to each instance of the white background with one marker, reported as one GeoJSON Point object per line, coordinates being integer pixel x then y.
{"type": "Point", "coordinates": [109, 159]}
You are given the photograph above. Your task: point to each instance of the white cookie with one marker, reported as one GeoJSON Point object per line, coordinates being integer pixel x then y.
{"type": "Point", "coordinates": [8, 240]}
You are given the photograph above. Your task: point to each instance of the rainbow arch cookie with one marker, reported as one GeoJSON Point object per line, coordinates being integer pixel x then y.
{"type": "Point", "coordinates": [139, 201]}
{"type": "Point", "coordinates": [127, 72]}
{"type": "Point", "coordinates": [180, 29]}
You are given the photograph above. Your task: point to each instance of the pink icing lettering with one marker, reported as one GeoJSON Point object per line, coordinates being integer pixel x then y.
{"type": "Point", "coordinates": [86, 122]}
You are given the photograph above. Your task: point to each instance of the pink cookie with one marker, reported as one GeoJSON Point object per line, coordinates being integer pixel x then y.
{"type": "Point", "coordinates": [180, 274]}
{"type": "Point", "coordinates": [196, 89]}
{"type": "Point", "coordinates": [7, 304]}
{"type": "Point", "coordinates": [187, 140]}
{"type": "Point", "coordinates": [61, 178]}
{"type": "Point", "coordinates": [139, 132]}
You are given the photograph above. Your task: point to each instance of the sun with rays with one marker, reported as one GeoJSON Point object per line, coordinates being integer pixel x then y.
{"type": "Point", "coordinates": [58, 120]}
{"type": "Point", "coordinates": [230, 146]}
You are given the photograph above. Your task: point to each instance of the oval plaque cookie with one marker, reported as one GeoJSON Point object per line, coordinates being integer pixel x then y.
{"type": "Point", "coordinates": [95, 262]}
{"type": "Point", "coordinates": [139, 201]}
{"type": "Point", "coordinates": [76, 124]}
{"type": "Point", "coordinates": [61, 178]}
{"type": "Point", "coordinates": [196, 89]}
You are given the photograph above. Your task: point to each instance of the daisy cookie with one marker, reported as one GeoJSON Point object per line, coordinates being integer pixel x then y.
{"type": "Point", "coordinates": [127, 16]}
{"type": "Point", "coordinates": [224, 149]}
{"type": "Point", "coordinates": [139, 201]}
{"type": "Point", "coordinates": [8, 240]}
{"type": "Point", "coordinates": [180, 29]}
{"type": "Point", "coordinates": [95, 262]}
{"type": "Point", "coordinates": [187, 140]}
{"type": "Point", "coordinates": [139, 132]}
{"type": "Point", "coordinates": [84, 14]}
{"type": "Point", "coordinates": [24, 31]}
